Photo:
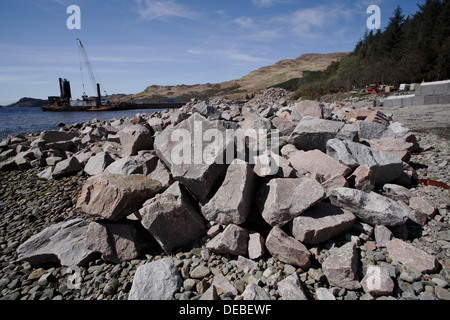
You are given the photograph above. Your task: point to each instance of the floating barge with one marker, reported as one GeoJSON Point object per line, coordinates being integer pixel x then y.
{"type": "Point", "coordinates": [64, 103]}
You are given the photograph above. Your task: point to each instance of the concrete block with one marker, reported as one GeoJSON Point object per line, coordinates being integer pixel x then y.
{"type": "Point", "coordinates": [407, 101]}
{"type": "Point", "coordinates": [431, 99]}
{"type": "Point", "coordinates": [397, 102]}
{"type": "Point", "coordinates": [388, 103]}
{"type": "Point", "coordinates": [426, 90]}
{"type": "Point", "coordinates": [418, 101]}
{"type": "Point", "coordinates": [442, 89]}
{"type": "Point", "coordinates": [444, 99]}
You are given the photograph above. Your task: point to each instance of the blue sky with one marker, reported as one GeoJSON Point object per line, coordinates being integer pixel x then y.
{"type": "Point", "coordinates": [133, 44]}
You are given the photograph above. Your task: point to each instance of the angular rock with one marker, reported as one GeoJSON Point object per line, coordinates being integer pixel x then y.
{"type": "Point", "coordinates": [287, 249]}
{"type": "Point", "coordinates": [223, 286]}
{"type": "Point", "coordinates": [281, 200]}
{"type": "Point", "coordinates": [161, 174]}
{"type": "Point", "coordinates": [67, 168]}
{"type": "Point", "coordinates": [47, 174]}
{"type": "Point", "coordinates": [246, 265]}
{"type": "Point", "coordinates": [271, 164]}
{"type": "Point", "coordinates": [318, 162]}
{"type": "Point", "coordinates": [371, 208]}
{"type": "Point", "coordinates": [57, 136]}
{"type": "Point", "coordinates": [372, 130]}
{"type": "Point", "coordinates": [134, 139]}
{"type": "Point", "coordinates": [98, 163]}
{"type": "Point", "coordinates": [382, 236]}
{"type": "Point", "coordinates": [411, 256]}
{"type": "Point", "coordinates": [232, 201]}
{"type": "Point", "coordinates": [362, 179]}
{"type": "Point", "coordinates": [113, 197]}
{"type": "Point", "coordinates": [323, 294]}
{"type": "Point", "coordinates": [62, 243]}
{"type": "Point", "coordinates": [157, 280]}
{"type": "Point", "coordinates": [285, 126]}
{"type": "Point", "coordinates": [23, 160]}
{"type": "Point", "coordinates": [291, 288]}
{"type": "Point", "coordinates": [396, 147]}
{"type": "Point", "coordinates": [233, 240]}
{"type": "Point", "coordinates": [210, 294]}
{"type": "Point", "coordinates": [419, 204]}
{"type": "Point", "coordinates": [117, 242]}
{"type": "Point", "coordinates": [256, 247]}
{"type": "Point", "coordinates": [385, 167]}
{"type": "Point", "coordinates": [313, 133]}
{"type": "Point", "coordinates": [333, 183]}
{"type": "Point", "coordinates": [341, 267]}
{"type": "Point", "coordinates": [253, 292]}
{"type": "Point", "coordinates": [289, 150]}
{"type": "Point", "coordinates": [321, 223]}
{"type": "Point", "coordinates": [171, 218]}
{"type": "Point", "coordinates": [207, 111]}
{"type": "Point", "coordinates": [189, 160]}
{"type": "Point", "coordinates": [141, 164]}
{"type": "Point", "coordinates": [307, 108]}
{"type": "Point", "coordinates": [377, 282]}
{"type": "Point", "coordinates": [397, 193]}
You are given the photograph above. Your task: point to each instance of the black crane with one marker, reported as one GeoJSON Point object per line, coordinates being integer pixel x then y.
{"type": "Point", "coordinates": [95, 85]}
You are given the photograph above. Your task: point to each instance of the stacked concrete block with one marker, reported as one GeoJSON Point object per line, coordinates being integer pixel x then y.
{"type": "Point", "coordinates": [431, 93]}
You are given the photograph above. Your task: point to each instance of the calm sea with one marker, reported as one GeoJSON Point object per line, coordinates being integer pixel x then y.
{"type": "Point", "coordinates": [15, 121]}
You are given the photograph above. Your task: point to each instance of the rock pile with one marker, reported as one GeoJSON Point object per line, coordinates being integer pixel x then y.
{"type": "Point", "coordinates": [190, 176]}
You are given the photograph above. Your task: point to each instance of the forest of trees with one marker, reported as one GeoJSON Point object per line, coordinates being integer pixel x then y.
{"type": "Point", "coordinates": [410, 49]}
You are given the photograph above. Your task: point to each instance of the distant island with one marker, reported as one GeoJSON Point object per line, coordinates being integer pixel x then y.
{"type": "Point", "coordinates": [28, 102]}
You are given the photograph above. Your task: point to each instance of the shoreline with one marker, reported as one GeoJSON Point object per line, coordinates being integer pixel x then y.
{"type": "Point", "coordinates": [29, 205]}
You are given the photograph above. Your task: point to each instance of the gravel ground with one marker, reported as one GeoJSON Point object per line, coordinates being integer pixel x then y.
{"type": "Point", "coordinates": [28, 205]}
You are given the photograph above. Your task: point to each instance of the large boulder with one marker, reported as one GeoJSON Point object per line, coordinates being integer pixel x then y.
{"type": "Point", "coordinates": [291, 289]}
{"type": "Point", "coordinates": [117, 242]}
{"type": "Point", "coordinates": [287, 249]}
{"type": "Point", "coordinates": [316, 161]}
{"type": "Point", "coordinates": [313, 133]}
{"type": "Point", "coordinates": [172, 219]}
{"type": "Point", "coordinates": [134, 139]}
{"type": "Point", "coordinates": [372, 208]}
{"type": "Point", "coordinates": [194, 161]}
{"type": "Point", "coordinates": [386, 167]}
{"type": "Point", "coordinates": [98, 163]}
{"type": "Point", "coordinates": [62, 243]}
{"type": "Point", "coordinates": [143, 163]}
{"type": "Point", "coordinates": [341, 267]}
{"type": "Point", "coordinates": [66, 168]}
{"type": "Point", "coordinates": [321, 223]}
{"type": "Point", "coordinates": [57, 136]}
{"type": "Point", "coordinates": [231, 203]}
{"type": "Point", "coordinates": [282, 200]}
{"type": "Point", "coordinates": [158, 280]}
{"type": "Point", "coordinates": [411, 256]}
{"type": "Point", "coordinates": [377, 281]}
{"type": "Point", "coordinates": [233, 240]}
{"type": "Point", "coordinates": [113, 197]}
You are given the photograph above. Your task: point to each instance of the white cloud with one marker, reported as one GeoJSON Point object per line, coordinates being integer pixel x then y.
{"type": "Point", "coordinates": [231, 54]}
{"type": "Point", "coordinates": [264, 3]}
{"type": "Point", "coordinates": [317, 21]}
{"type": "Point", "coordinates": [161, 10]}
{"type": "Point", "coordinates": [245, 22]}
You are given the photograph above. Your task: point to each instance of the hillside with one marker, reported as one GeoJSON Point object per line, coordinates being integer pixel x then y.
{"type": "Point", "coordinates": [252, 83]}
{"type": "Point", "coordinates": [28, 102]}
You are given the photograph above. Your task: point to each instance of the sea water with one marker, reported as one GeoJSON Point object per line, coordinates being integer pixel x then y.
{"type": "Point", "coordinates": [15, 121]}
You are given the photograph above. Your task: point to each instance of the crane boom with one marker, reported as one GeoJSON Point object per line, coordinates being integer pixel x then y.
{"type": "Point", "coordinates": [88, 65]}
